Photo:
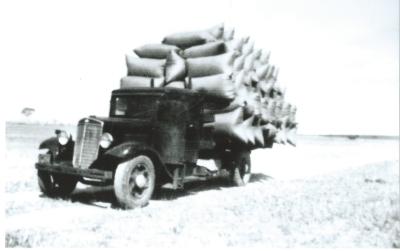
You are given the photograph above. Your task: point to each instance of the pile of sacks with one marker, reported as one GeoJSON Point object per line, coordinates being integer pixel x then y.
{"type": "Point", "coordinates": [215, 62]}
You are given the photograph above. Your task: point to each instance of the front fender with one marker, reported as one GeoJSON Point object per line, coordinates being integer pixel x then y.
{"type": "Point", "coordinates": [58, 151]}
{"type": "Point", "coordinates": [51, 144]}
{"type": "Point", "coordinates": [129, 150]}
{"type": "Point", "coordinates": [126, 151]}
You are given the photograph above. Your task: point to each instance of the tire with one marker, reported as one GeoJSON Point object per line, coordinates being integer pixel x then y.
{"type": "Point", "coordinates": [56, 185]}
{"type": "Point", "coordinates": [134, 182]}
{"type": "Point", "coordinates": [240, 169]}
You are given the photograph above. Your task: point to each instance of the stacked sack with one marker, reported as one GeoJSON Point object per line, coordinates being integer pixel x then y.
{"type": "Point", "coordinates": [157, 65]}
{"type": "Point", "coordinates": [215, 62]}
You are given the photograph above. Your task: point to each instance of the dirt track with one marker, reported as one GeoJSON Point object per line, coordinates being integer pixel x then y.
{"type": "Point", "coordinates": [324, 193]}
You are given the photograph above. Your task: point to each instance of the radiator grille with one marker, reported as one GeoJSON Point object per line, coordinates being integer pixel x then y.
{"type": "Point", "coordinates": [87, 142]}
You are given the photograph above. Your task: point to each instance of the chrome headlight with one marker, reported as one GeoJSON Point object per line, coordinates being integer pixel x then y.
{"type": "Point", "coordinates": [106, 140]}
{"type": "Point", "coordinates": [63, 137]}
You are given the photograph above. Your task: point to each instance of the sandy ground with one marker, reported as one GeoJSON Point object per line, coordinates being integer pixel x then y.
{"type": "Point", "coordinates": [324, 193]}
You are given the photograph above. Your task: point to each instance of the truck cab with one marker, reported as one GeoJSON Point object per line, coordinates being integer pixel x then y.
{"type": "Point", "coordinates": [152, 137]}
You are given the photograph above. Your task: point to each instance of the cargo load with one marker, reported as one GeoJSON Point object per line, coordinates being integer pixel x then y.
{"type": "Point", "coordinates": [213, 61]}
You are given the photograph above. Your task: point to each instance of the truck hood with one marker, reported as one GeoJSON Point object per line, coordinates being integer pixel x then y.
{"type": "Point", "coordinates": [122, 121]}
{"type": "Point", "coordinates": [126, 129]}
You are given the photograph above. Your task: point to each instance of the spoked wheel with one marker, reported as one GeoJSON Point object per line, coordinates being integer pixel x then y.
{"type": "Point", "coordinates": [240, 171]}
{"type": "Point", "coordinates": [54, 185]}
{"type": "Point", "coordinates": [134, 182]}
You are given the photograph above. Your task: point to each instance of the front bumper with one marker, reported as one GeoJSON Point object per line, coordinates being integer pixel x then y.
{"type": "Point", "coordinates": [67, 168]}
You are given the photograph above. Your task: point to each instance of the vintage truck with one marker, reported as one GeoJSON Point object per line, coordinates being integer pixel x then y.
{"type": "Point", "coordinates": [152, 137]}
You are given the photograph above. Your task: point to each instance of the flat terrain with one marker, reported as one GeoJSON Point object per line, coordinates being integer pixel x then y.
{"type": "Point", "coordinates": [326, 192]}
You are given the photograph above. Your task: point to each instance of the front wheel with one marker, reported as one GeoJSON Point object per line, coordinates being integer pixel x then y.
{"type": "Point", "coordinates": [134, 182]}
{"type": "Point", "coordinates": [54, 185]}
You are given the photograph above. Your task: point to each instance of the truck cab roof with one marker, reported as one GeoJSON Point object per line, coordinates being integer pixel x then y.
{"type": "Point", "coordinates": [171, 92]}
{"type": "Point", "coordinates": [153, 91]}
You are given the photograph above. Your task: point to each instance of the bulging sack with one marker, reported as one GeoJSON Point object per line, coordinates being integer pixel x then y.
{"type": "Point", "coordinates": [265, 115]}
{"type": "Point", "coordinates": [286, 109]}
{"type": "Point", "coordinates": [276, 74]}
{"type": "Point", "coordinates": [292, 114]}
{"type": "Point", "coordinates": [236, 44]}
{"type": "Point", "coordinates": [269, 131]}
{"type": "Point", "coordinates": [242, 95]}
{"type": "Point", "coordinates": [248, 48]}
{"type": "Point", "coordinates": [261, 61]}
{"type": "Point", "coordinates": [264, 58]}
{"type": "Point", "coordinates": [157, 51]}
{"type": "Point", "coordinates": [175, 67]}
{"type": "Point", "coordinates": [216, 31]}
{"type": "Point", "coordinates": [232, 117]}
{"type": "Point", "coordinates": [249, 62]}
{"type": "Point", "coordinates": [176, 84]}
{"type": "Point", "coordinates": [270, 111]}
{"type": "Point", "coordinates": [224, 129]}
{"type": "Point", "coordinates": [220, 85]}
{"type": "Point", "coordinates": [254, 78]}
{"type": "Point", "coordinates": [244, 131]}
{"type": "Point", "coordinates": [207, 66]}
{"type": "Point", "coordinates": [232, 106]}
{"type": "Point", "coordinates": [291, 136]}
{"type": "Point", "coordinates": [238, 63]}
{"type": "Point", "coordinates": [226, 123]}
{"type": "Point", "coordinates": [272, 74]}
{"type": "Point", "coordinates": [239, 79]}
{"type": "Point", "coordinates": [265, 86]}
{"type": "Point", "coordinates": [188, 39]}
{"type": "Point", "coordinates": [232, 125]}
{"type": "Point", "coordinates": [262, 71]}
{"type": "Point", "coordinates": [277, 112]}
{"type": "Point", "coordinates": [249, 99]}
{"type": "Point", "coordinates": [205, 50]}
{"type": "Point", "coordinates": [145, 67]}
{"type": "Point", "coordinates": [280, 137]}
{"type": "Point", "coordinates": [250, 130]}
{"type": "Point", "coordinates": [257, 63]}
{"type": "Point", "coordinates": [258, 134]}
{"type": "Point", "coordinates": [229, 34]}
{"type": "Point", "coordinates": [248, 78]}
{"type": "Point", "coordinates": [136, 81]}
{"type": "Point", "coordinates": [257, 54]}
{"type": "Point", "coordinates": [253, 104]}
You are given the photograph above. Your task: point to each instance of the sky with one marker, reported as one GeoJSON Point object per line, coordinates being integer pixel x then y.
{"type": "Point", "coordinates": [338, 60]}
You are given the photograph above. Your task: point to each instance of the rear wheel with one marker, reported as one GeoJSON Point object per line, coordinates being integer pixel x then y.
{"type": "Point", "coordinates": [54, 185]}
{"type": "Point", "coordinates": [239, 167]}
{"type": "Point", "coordinates": [134, 182]}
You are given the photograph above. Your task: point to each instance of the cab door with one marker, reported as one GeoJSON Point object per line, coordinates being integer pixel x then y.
{"type": "Point", "coordinates": [169, 138]}
{"type": "Point", "coordinates": [193, 129]}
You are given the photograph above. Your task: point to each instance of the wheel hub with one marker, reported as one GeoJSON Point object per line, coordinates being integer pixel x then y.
{"type": "Point", "coordinates": [140, 181]}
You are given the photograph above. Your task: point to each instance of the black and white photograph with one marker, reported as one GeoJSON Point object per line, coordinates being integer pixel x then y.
{"type": "Point", "coordinates": [257, 124]}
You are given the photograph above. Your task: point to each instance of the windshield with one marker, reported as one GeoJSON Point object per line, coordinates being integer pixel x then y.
{"type": "Point", "coordinates": [134, 106]}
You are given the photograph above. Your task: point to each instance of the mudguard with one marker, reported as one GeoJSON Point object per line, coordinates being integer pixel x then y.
{"type": "Point", "coordinates": [58, 151]}
{"type": "Point", "coordinates": [51, 144]}
{"type": "Point", "coordinates": [110, 159]}
{"type": "Point", "coordinates": [128, 150]}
